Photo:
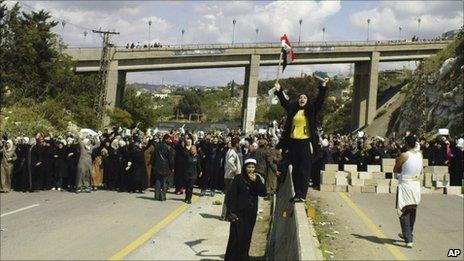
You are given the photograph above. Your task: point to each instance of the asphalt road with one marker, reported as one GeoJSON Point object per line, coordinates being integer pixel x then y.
{"type": "Point", "coordinates": [439, 226]}
{"type": "Point", "coordinates": [66, 226]}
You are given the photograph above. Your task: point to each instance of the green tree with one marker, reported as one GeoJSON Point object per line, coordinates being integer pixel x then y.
{"type": "Point", "coordinates": [141, 106]}
{"type": "Point", "coordinates": [34, 70]}
{"type": "Point", "coordinates": [275, 112]}
{"type": "Point", "coordinates": [189, 104]}
{"type": "Point", "coordinates": [120, 117]}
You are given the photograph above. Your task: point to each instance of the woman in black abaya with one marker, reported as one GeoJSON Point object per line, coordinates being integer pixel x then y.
{"type": "Point", "coordinates": [242, 206]}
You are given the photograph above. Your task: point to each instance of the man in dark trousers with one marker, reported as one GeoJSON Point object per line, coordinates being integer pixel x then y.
{"type": "Point", "coordinates": [163, 166]}
{"type": "Point", "coordinates": [300, 137]}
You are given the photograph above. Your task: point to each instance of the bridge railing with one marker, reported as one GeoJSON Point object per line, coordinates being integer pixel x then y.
{"type": "Point", "coordinates": [270, 45]}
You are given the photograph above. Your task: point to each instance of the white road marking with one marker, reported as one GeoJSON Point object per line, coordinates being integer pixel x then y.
{"type": "Point", "coordinates": [18, 210]}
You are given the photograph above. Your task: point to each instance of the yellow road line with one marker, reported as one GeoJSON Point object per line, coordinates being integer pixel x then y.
{"type": "Point", "coordinates": [370, 224]}
{"type": "Point", "coordinates": [147, 235]}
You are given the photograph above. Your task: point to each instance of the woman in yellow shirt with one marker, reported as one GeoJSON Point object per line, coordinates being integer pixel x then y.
{"type": "Point", "coordinates": [299, 136]}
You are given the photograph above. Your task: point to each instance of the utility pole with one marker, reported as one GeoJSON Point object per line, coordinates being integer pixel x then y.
{"type": "Point", "coordinates": [100, 102]}
{"type": "Point", "coordinates": [233, 30]}
{"type": "Point", "coordinates": [149, 31]}
{"type": "Point", "coordinates": [232, 85]}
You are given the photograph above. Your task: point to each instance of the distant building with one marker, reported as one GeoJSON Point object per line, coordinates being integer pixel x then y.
{"type": "Point", "coordinates": [160, 95]}
{"type": "Point", "coordinates": [342, 94]}
{"type": "Point", "coordinates": [166, 91]}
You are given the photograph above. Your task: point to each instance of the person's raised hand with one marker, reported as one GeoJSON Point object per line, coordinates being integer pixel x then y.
{"type": "Point", "coordinates": [252, 176]}
{"type": "Point", "coordinates": [277, 86]}
{"type": "Point", "coordinates": [324, 83]}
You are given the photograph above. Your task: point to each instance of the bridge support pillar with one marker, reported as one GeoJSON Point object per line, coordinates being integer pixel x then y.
{"type": "Point", "coordinates": [364, 105]}
{"type": "Point", "coordinates": [115, 85]}
{"type": "Point", "coordinates": [250, 94]}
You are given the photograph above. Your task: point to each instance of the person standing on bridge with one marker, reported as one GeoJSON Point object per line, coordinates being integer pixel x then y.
{"type": "Point", "coordinates": [408, 196]}
{"type": "Point", "coordinates": [299, 136]}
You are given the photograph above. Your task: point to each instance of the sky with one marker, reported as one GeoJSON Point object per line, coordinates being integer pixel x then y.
{"type": "Point", "coordinates": [211, 22]}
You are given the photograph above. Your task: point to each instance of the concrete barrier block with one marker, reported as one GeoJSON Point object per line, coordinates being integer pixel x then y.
{"type": "Point", "coordinates": [382, 189]}
{"type": "Point", "coordinates": [350, 167]}
{"type": "Point", "coordinates": [370, 182]}
{"type": "Point", "coordinates": [383, 182]}
{"type": "Point", "coordinates": [328, 181]}
{"type": "Point", "coordinates": [341, 174]}
{"type": "Point", "coordinates": [341, 188]}
{"type": "Point", "coordinates": [438, 176]}
{"type": "Point", "coordinates": [441, 169]}
{"type": "Point", "coordinates": [387, 168]}
{"type": "Point", "coordinates": [378, 175]}
{"type": "Point", "coordinates": [365, 175]}
{"type": "Point", "coordinates": [327, 177]}
{"type": "Point", "coordinates": [388, 162]}
{"type": "Point", "coordinates": [354, 189]}
{"type": "Point", "coordinates": [426, 190]}
{"type": "Point", "coordinates": [438, 190]}
{"type": "Point", "coordinates": [453, 190]}
{"type": "Point", "coordinates": [446, 177]}
{"type": "Point", "coordinates": [341, 181]}
{"type": "Point", "coordinates": [425, 162]}
{"type": "Point", "coordinates": [373, 168]}
{"type": "Point", "coordinates": [333, 167]}
{"type": "Point", "coordinates": [357, 182]}
{"type": "Point", "coordinates": [437, 169]}
{"type": "Point", "coordinates": [353, 175]}
{"type": "Point", "coordinates": [441, 184]}
{"type": "Point", "coordinates": [428, 180]}
{"type": "Point", "coordinates": [427, 169]}
{"type": "Point", "coordinates": [326, 187]}
{"type": "Point", "coordinates": [393, 189]}
{"type": "Point", "coordinates": [368, 189]}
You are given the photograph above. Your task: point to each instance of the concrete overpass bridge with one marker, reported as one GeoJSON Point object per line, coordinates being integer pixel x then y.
{"type": "Point", "coordinates": [365, 55]}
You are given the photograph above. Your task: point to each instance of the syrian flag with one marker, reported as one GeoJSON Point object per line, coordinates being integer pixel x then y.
{"type": "Point", "coordinates": [287, 51]}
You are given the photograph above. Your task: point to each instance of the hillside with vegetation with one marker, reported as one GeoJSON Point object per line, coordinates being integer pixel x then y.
{"type": "Point", "coordinates": [434, 97]}
{"type": "Point", "coordinates": [39, 91]}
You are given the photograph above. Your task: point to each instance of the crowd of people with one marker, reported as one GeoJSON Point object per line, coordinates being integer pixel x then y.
{"type": "Point", "coordinates": [130, 162]}
{"type": "Point", "coordinates": [138, 45]}
{"type": "Point", "coordinates": [241, 166]}
{"type": "Point", "coordinates": [363, 151]}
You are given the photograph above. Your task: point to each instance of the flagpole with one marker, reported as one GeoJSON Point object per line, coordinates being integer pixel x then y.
{"type": "Point", "coordinates": [278, 67]}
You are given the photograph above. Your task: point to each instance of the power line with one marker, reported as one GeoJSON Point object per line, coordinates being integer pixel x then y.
{"type": "Point", "coordinates": [57, 18]}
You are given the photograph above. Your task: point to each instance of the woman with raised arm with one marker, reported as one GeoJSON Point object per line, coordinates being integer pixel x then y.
{"type": "Point", "coordinates": [300, 137]}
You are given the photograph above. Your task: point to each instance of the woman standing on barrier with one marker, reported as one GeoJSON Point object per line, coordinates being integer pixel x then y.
{"type": "Point", "coordinates": [242, 207]}
{"type": "Point", "coordinates": [300, 137]}
{"type": "Point", "coordinates": [408, 196]}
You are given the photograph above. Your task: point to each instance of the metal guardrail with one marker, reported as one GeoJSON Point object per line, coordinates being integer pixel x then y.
{"type": "Point", "coordinates": [270, 45]}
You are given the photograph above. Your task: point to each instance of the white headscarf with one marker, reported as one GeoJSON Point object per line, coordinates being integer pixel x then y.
{"type": "Point", "coordinates": [25, 140]}
{"type": "Point", "coordinates": [324, 143]}
{"type": "Point", "coordinates": [9, 145]}
{"type": "Point", "coordinates": [460, 144]}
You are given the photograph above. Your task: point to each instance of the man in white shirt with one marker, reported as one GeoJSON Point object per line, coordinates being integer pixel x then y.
{"type": "Point", "coordinates": [233, 166]}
